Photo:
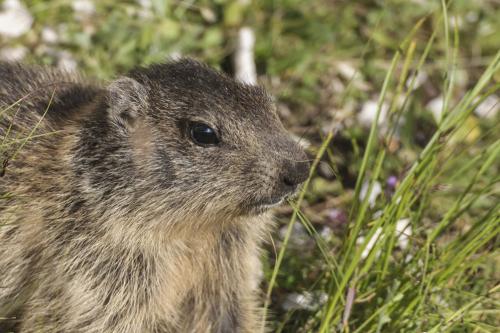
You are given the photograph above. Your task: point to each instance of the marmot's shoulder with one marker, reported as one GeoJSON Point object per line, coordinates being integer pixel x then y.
{"type": "Point", "coordinates": [17, 79]}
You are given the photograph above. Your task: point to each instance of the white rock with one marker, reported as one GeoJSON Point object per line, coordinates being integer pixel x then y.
{"type": "Point", "coordinates": [371, 243]}
{"type": "Point", "coordinates": [488, 108]}
{"type": "Point", "coordinates": [146, 4]}
{"type": "Point", "coordinates": [336, 85]}
{"type": "Point", "coordinates": [298, 301]}
{"type": "Point", "coordinates": [376, 190]}
{"type": "Point", "coordinates": [438, 299]}
{"type": "Point", "coordinates": [299, 236]}
{"type": "Point", "coordinates": [15, 19]}
{"type": "Point", "coordinates": [49, 35]}
{"type": "Point", "coordinates": [346, 70]}
{"type": "Point", "coordinates": [16, 53]}
{"type": "Point", "coordinates": [435, 106]}
{"type": "Point", "coordinates": [146, 10]}
{"type": "Point", "coordinates": [66, 61]}
{"type": "Point", "coordinates": [403, 232]}
{"type": "Point", "coordinates": [244, 63]}
{"type": "Point", "coordinates": [175, 55]}
{"type": "Point", "coordinates": [368, 112]}
{"type": "Point", "coordinates": [377, 214]}
{"type": "Point", "coordinates": [352, 75]}
{"type": "Point", "coordinates": [304, 301]}
{"type": "Point", "coordinates": [419, 79]}
{"type": "Point", "coordinates": [326, 233]}
{"type": "Point", "coordinates": [208, 14]}
{"type": "Point", "coordinates": [83, 8]}
{"type": "Point", "coordinates": [455, 22]}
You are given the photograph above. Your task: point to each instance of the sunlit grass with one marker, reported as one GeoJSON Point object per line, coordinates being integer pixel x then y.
{"type": "Point", "coordinates": [427, 286]}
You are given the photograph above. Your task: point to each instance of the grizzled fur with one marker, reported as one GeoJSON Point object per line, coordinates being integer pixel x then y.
{"type": "Point", "coordinates": [116, 221]}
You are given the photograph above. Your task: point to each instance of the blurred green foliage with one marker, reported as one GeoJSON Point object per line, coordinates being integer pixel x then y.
{"type": "Point", "coordinates": [297, 41]}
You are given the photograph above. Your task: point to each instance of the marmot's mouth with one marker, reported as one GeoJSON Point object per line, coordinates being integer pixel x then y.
{"type": "Point", "coordinates": [264, 205]}
{"type": "Point", "coordinates": [273, 204]}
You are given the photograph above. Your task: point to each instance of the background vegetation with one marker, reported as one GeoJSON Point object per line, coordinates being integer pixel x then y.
{"type": "Point", "coordinates": [396, 101]}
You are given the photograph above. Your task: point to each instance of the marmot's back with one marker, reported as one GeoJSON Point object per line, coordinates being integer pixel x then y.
{"type": "Point", "coordinates": [29, 91]}
{"type": "Point", "coordinates": [36, 106]}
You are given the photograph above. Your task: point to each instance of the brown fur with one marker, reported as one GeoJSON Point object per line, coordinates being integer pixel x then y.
{"type": "Point", "coordinates": [116, 221]}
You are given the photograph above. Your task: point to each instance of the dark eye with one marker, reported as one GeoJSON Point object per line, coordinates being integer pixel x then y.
{"type": "Point", "coordinates": [202, 134]}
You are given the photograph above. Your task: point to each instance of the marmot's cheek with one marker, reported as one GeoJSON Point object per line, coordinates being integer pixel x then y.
{"type": "Point", "coordinates": [164, 168]}
{"type": "Point", "coordinates": [263, 196]}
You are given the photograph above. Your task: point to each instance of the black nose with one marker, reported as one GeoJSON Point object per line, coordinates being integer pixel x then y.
{"type": "Point", "coordinates": [294, 173]}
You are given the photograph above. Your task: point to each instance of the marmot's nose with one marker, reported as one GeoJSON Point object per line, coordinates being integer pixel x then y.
{"type": "Point", "coordinates": [294, 173]}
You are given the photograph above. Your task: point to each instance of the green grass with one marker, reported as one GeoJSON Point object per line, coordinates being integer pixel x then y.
{"type": "Point", "coordinates": [446, 278]}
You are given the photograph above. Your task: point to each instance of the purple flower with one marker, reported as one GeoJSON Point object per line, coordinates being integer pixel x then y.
{"type": "Point", "coordinates": [392, 181]}
{"type": "Point", "coordinates": [336, 217]}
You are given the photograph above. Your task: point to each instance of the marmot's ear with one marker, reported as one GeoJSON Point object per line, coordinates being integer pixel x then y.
{"type": "Point", "coordinates": [127, 100]}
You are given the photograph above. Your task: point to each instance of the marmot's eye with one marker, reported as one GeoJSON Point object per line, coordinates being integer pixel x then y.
{"type": "Point", "coordinates": [202, 134]}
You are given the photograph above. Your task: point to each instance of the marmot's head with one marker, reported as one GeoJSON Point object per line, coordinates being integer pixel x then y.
{"type": "Point", "coordinates": [201, 142]}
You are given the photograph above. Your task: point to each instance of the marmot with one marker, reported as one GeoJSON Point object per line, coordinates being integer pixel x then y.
{"type": "Point", "coordinates": [138, 206]}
